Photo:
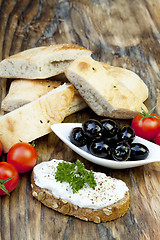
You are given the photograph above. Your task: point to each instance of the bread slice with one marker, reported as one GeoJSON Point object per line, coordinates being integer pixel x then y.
{"type": "Point", "coordinates": [23, 91]}
{"type": "Point", "coordinates": [128, 79]}
{"type": "Point", "coordinates": [41, 62]}
{"type": "Point", "coordinates": [34, 119]}
{"type": "Point", "coordinates": [102, 92]}
{"type": "Point", "coordinates": [109, 200]}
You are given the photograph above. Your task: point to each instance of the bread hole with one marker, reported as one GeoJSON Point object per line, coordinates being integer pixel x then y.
{"type": "Point", "coordinates": [48, 121]}
{"type": "Point", "coordinates": [48, 85]}
{"type": "Point", "coordinates": [114, 86]}
{"type": "Point", "coordinates": [41, 121]}
{"type": "Point", "coordinates": [93, 68]}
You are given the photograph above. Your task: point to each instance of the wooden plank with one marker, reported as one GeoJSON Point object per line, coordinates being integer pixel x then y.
{"type": "Point", "coordinates": [121, 33]}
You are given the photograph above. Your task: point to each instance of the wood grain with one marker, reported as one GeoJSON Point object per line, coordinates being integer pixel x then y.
{"type": "Point", "coordinates": [121, 33]}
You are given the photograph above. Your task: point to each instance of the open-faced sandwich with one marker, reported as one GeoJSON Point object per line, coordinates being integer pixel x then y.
{"type": "Point", "coordinates": [72, 190]}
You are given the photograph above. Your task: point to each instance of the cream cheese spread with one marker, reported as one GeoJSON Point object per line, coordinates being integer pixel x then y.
{"type": "Point", "coordinates": [108, 190]}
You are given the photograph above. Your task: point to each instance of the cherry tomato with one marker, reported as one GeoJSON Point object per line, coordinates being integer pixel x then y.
{"type": "Point", "coordinates": [8, 178]}
{"type": "Point", "coordinates": [146, 125]}
{"type": "Point", "coordinates": [157, 139]}
{"type": "Point", "coordinates": [23, 156]}
{"type": "Point", "coordinates": [0, 148]}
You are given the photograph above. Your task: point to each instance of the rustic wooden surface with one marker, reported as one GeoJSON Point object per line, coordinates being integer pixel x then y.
{"type": "Point", "coordinates": [121, 33]}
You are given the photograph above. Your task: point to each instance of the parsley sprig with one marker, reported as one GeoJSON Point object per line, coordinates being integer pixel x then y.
{"type": "Point", "coordinates": [75, 174]}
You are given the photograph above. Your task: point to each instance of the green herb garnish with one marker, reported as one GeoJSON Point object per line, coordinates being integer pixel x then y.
{"type": "Point", "coordinates": [75, 174]}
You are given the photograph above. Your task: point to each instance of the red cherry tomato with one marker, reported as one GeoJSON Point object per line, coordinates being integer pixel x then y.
{"type": "Point", "coordinates": [23, 156]}
{"type": "Point", "coordinates": [157, 139]}
{"type": "Point", "coordinates": [146, 125]}
{"type": "Point", "coordinates": [8, 171]}
{"type": "Point", "coordinates": [0, 148]}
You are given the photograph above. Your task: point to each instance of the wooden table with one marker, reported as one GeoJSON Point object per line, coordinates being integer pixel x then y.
{"type": "Point", "coordinates": [121, 33]}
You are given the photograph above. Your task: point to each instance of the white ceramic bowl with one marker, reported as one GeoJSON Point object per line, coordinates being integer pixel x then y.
{"type": "Point", "coordinates": [63, 130]}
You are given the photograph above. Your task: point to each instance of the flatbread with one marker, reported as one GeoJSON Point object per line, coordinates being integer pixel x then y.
{"type": "Point", "coordinates": [102, 92]}
{"type": "Point", "coordinates": [41, 62]}
{"type": "Point", "coordinates": [34, 119]}
{"type": "Point", "coordinates": [23, 91]}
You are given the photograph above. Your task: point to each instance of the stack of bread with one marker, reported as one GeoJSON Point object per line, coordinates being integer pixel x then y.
{"type": "Point", "coordinates": [35, 102]}
{"type": "Point", "coordinates": [51, 83]}
{"type": "Point", "coordinates": [40, 96]}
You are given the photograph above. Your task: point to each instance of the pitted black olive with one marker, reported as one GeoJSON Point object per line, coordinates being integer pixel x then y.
{"type": "Point", "coordinates": [126, 134]}
{"type": "Point", "coordinates": [100, 149]}
{"type": "Point", "coordinates": [138, 151]}
{"type": "Point", "coordinates": [112, 141]}
{"type": "Point", "coordinates": [121, 152]}
{"type": "Point", "coordinates": [92, 128]}
{"type": "Point", "coordinates": [77, 137]}
{"type": "Point", "coordinates": [90, 140]}
{"type": "Point", "coordinates": [110, 127]}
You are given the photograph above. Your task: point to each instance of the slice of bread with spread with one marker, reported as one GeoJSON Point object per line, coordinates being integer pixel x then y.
{"type": "Point", "coordinates": [41, 62]}
{"type": "Point", "coordinates": [103, 93]}
{"type": "Point", "coordinates": [23, 91]}
{"type": "Point", "coordinates": [34, 119]}
{"type": "Point", "coordinates": [109, 200]}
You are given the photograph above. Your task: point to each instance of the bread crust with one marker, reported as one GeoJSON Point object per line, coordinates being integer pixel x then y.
{"type": "Point", "coordinates": [105, 214]}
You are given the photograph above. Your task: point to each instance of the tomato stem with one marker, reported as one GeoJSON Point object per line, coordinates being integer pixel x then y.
{"type": "Point", "coordinates": [33, 143]}
{"type": "Point", "coordinates": [145, 114]}
{"type": "Point", "coordinates": [2, 182]}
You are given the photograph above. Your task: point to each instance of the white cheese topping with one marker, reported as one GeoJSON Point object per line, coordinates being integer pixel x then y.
{"type": "Point", "coordinates": [108, 190]}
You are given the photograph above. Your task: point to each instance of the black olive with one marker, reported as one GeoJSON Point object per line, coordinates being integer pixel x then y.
{"type": "Point", "coordinates": [100, 149]}
{"type": "Point", "coordinates": [138, 151]}
{"type": "Point", "coordinates": [126, 134]}
{"type": "Point", "coordinates": [92, 128]}
{"type": "Point", "coordinates": [110, 127]}
{"type": "Point", "coordinates": [121, 152]}
{"type": "Point", "coordinates": [89, 140]}
{"type": "Point", "coordinates": [77, 137]}
{"type": "Point", "coordinates": [112, 141]}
